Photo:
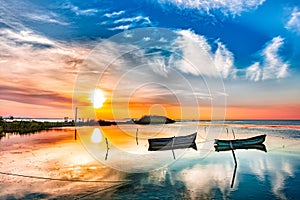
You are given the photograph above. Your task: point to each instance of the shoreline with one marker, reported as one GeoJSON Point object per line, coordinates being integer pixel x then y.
{"type": "Point", "coordinates": [24, 127]}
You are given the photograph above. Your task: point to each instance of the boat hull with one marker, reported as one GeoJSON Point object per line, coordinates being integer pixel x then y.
{"type": "Point", "coordinates": [241, 142]}
{"type": "Point", "coordinates": [260, 147]}
{"type": "Point", "coordinates": [181, 142]}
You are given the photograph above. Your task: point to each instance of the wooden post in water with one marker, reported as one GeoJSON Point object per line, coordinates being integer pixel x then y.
{"type": "Point", "coordinates": [233, 134]}
{"type": "Point", "coordinates": [75, 117]}
{"type": "Point", "coordinates": [136, 136]}
{"type": "Point", "coordinates": [235, 166]}
{"type": "Point", "coordinates": [233, 177]}
{"type": "Point", "coordinates": [75, 120]}
{"type": "Point", "coordinates": [173, 140]}
{"type": "Point", "coordinates": [107, 148]}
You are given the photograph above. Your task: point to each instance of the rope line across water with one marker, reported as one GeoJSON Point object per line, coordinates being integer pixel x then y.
{"type": "Point", "coordinates": [67, 180]}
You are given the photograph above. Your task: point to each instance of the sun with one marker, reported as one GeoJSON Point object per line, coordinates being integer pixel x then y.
{"type": "Point", "coordinates": [98, 98]}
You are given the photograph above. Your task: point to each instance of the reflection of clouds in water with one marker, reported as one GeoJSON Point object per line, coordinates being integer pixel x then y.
{"type": "Point", "coordinates": [278, 168]}
{"type": "Point", "coordinates": [161, 176]}
{"type": "Point", "coordinates": [201, 180]}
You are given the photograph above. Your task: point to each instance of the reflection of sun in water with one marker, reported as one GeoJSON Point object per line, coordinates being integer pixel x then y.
{"type": "Point", "coordinates": [98, 98]}
{"type": "Point", "coordinates": [96, 136]}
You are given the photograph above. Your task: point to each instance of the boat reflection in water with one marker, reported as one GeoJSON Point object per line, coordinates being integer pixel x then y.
{"type": "Point", "coordinates": [247, 143]}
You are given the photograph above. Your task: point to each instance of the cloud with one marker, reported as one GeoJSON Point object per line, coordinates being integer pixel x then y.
{"type": "Point", "coordinates": [196, 50]}
{"type": "Point", "coordinates": [224, 61]}
{"type": "Point", "coordinates": [29, 95]}
{"type": "Point", "coordinates": [34, 61]}
{"type": "Point", "coordinates": [227, 7]}
{"type": "Point", "coordinates": [78, 11]}
{"type": "Point", "coordinates": [294, 22]}
{"type": "Point", "coordinates": [145, 20]}
{"type": "Point", "coordinates": [253, 72]}
{"type": "Point", "coordinates": [196, 58]}
{"type": "Point", "coordinates": [46, 18]}
{"type": "Point", "coordinates": [130, 22]}
{"type": "Point", "coordinates": [121, 27]}
{"type": "Point", "coordinates": [114, 14]}
{"type": "Point", "coordinates": [272, 65]}
{"type": "Point", "coordinates": [24, 36]}
{"type": "Point", "coordinates": [16, 14]}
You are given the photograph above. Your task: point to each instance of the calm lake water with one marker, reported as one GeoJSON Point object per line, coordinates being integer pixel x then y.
{"type": "Point", "coordinates": [114, 163]}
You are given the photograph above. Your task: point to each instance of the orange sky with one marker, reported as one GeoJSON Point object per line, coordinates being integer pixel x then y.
{"type": "Point", "coordinates": [137, 110]}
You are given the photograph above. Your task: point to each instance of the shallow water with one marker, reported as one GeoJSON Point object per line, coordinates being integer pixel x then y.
{"type": "Point", "coordinates": [53, 165]}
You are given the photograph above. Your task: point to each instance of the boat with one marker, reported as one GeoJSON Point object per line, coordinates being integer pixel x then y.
{"type": "Point", "coordinates": [240, 142]}
{"type": "Point", "coordinates": [260, 147]}
{"type": "Point", "coordinates": [180, 142]}
{"type": "Point", "coordinates": [153, 119]}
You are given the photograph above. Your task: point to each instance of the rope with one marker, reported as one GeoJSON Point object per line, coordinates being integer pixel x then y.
{"type": "Point", "coordinates": [58, 179]}
{"type": "Point", "coordinates": [101, 190]}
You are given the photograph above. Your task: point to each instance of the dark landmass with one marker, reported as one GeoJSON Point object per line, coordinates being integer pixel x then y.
{"type": "Point", "coordinates": [154, 119]}
{"type": "Point", "coordinates": [106, 123]}
{"type": "Point", "coordinates": [111, 123]}
{"type": "Point", "coordinates": [23, 127]}
{"type": "Point", "coordinates": [145, 120]}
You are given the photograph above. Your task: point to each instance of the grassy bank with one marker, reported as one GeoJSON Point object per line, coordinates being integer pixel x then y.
{"type": "Point", "coordinates": [23, 127]}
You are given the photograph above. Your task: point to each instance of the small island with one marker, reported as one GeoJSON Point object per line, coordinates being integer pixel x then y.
{"type": "Point", "coordinates": [154, 119]}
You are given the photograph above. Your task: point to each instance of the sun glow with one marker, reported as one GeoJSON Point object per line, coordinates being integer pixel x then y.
{"type": "Point", "coordinates": [98, 98]}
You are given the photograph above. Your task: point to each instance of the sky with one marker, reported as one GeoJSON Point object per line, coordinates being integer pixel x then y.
{"type": "Point", "coordinates": [185, 59]}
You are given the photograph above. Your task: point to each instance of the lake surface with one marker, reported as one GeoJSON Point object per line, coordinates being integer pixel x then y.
{"type": "Point", "coordinates": [114, 163]}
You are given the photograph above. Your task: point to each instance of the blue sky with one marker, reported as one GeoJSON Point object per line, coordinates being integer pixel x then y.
{"type": "Point", "coordinates": [254, 44]}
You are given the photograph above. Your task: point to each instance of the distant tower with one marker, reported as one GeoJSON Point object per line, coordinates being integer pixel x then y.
{"type": "Point", "coordinates": [75, 118]}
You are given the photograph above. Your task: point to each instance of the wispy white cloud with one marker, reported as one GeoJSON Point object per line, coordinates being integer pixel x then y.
{"type": "Point", "coordinates": [130, 22]}
{"type": "Point", "coordinates": [114, 14]}
{"type": "Point", "coordinates": [79, 11]}
{"type": "Point", "coordinates": [121, 27]}
{"type": "Point", "coordinates": [254, 72]}
{"type": "Point", "coordinates": [46, 18]}
{"type": "Point", "coordinates": [293, 23]}
{"type": "Point", "coordinates": [134, 19]}
{"type": "Point", "coordinates": [198, 51]}
{"type": "Point", "coordinates": [272, 65]}
{"type": "Point", "coordinates": [227, 7]}
{"type": "Point", "coordinates": [224, 61]}
{"type": "Point", "coordinates": [35, 61]}
{"type": "Point", "coordinates": [24, 36]}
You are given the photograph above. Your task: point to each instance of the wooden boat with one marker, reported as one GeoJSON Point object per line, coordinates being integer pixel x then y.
{"type": "Point", "coordinates": [180, 142]}
{"type": "Point", "coordinates": [260, 147]}
{"type": "Point", "coordinates": [153, 119]}
{"type": "Point", "coordinates": [240, 142]}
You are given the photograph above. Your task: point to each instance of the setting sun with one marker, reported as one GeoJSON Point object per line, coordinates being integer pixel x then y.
{"type": "Point", "coordinates": [98, 98]}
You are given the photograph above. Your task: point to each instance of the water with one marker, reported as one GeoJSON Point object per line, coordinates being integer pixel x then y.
{"type": "Point", "coordinates": [53, 165]}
